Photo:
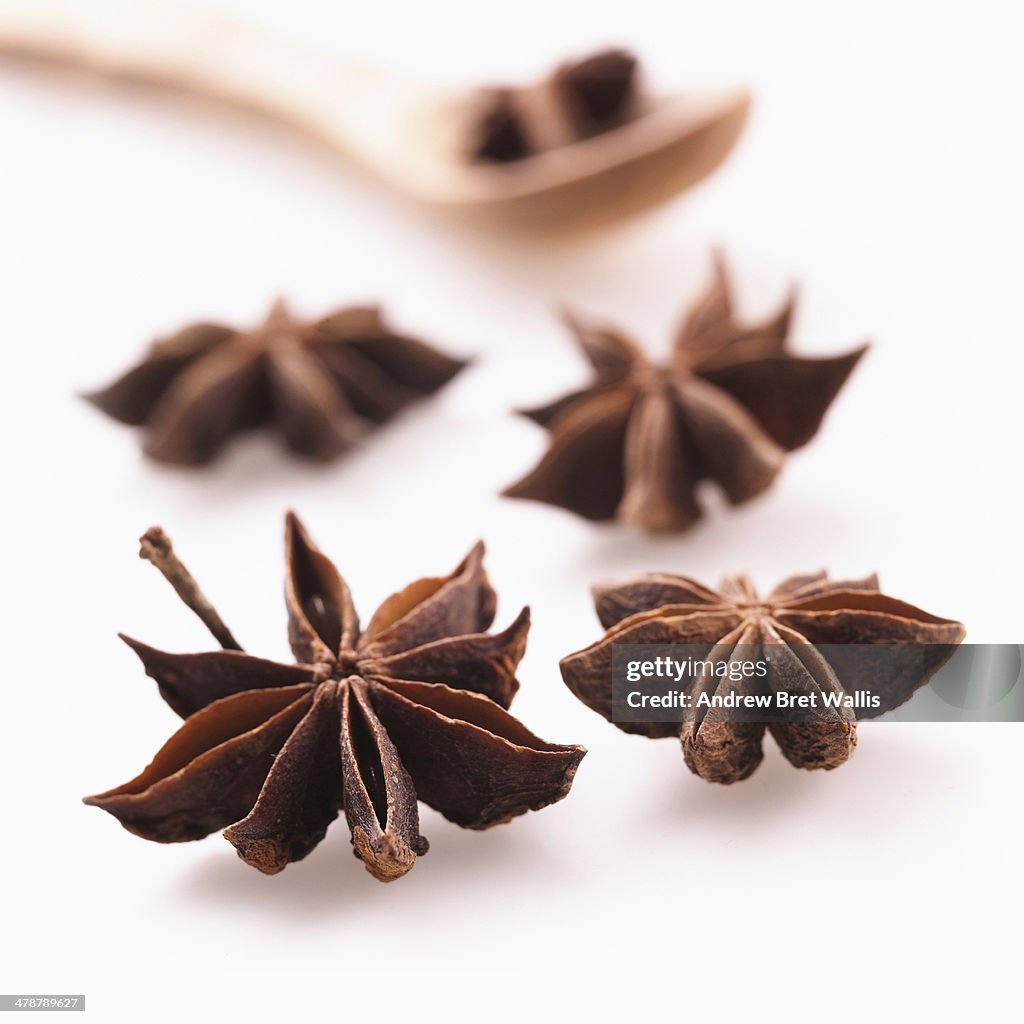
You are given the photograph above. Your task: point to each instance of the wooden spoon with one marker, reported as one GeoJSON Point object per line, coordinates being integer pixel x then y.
{"type": "Point", "coordinates": [412, 136]}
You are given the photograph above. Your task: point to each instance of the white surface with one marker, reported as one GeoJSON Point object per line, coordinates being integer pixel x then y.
{"type": "Point", "coordinates": [882, 169]}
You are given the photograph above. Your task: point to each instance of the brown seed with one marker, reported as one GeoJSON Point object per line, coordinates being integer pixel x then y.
{"type": "Point", "coordinates": [635, 444]}
{"type": "Point", "coordinates": [782, 628]}
{"type": "Point", "coordinates": [368, 721]}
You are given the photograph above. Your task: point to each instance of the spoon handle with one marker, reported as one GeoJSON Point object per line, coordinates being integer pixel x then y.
{"type": "Point", "coordinates": [179, 46]}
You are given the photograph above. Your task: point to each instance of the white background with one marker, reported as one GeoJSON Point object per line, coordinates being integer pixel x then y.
{"type": "Point", "coordinates": [882, 170]}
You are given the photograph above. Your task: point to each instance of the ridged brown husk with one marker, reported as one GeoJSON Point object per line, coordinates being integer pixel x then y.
{"type": "Point", "coordinates": [783, 628]}
{"type": "Point", "coordinates": [579, 100]}
{"type": "Point", "coordinates": [368, 721]}
{"type": "Point", "coordinates": [320, 386]}
{"type": "Point", "coordinates": [637, 442]}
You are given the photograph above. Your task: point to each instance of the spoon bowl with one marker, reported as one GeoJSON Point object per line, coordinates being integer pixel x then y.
{"type": "Point", "coordinates": [670, 147]}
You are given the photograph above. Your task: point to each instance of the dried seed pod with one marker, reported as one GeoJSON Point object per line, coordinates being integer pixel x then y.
{"type": "Point", "coordinates": [786, 628]}
{"type": "Point", "coordinates": [577, 101]}
{"type": "Point", "coordinates": [369, 721]}
{"type": "Point", "coordinates": [635, 444]}
{"type": "Point", "coordinates": [320, 386]}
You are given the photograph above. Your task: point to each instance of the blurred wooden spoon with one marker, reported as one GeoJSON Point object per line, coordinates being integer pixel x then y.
{"type": "Point", "coordinates": [411, 135]}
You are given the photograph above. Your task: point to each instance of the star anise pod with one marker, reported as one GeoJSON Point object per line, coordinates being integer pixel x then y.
{"type": "Point", "coordinates": [320, 385]}
{"type": "Point", "coordinates": [635, 444]}
{"type": "Point", "coordinates": [803, 629]}
{"type": "Point", "coordinates": [577, 101]}
{"type": "Point", "coordinates": [368, 721]}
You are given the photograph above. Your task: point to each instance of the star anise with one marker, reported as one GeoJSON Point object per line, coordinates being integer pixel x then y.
{"type": "Point", "coordinates": [320, 385]}
{"type": "Point", "coordinates": [803, 629]}
{"type": "Point", "coordinates": [368, 721]}
{"type": "Point", "coordinates": [577, 101]}
{"type": "Point", "coordinates": [635, 444]}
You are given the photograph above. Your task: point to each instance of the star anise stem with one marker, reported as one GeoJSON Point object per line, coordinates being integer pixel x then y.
{"type": "Point", "coordinates": [155, 546]}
